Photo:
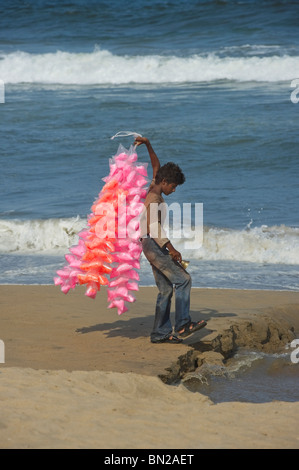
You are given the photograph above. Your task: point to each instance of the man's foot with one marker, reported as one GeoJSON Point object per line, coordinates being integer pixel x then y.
{"type": "Point", "coordinates": [169, 339]}
{"type": "Point", "coordinates": [190, 328]}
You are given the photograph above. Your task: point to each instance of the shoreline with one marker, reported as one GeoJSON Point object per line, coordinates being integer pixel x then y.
{"type": "Point", "coordinates": [154, 286]}
{"type": "Point", "coordinates": [76, 375]}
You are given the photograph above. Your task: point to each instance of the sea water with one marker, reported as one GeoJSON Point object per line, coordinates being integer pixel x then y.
{"type": "Point", "coordinates": [213, 85]}
{"type": "Point", "coordinates": [209, 83]}
{"type": "Point", "coordinates": [249, 376]}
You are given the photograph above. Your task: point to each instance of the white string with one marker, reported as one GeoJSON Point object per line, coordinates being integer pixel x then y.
{"type": "Point", "coordinates": [125, 134]}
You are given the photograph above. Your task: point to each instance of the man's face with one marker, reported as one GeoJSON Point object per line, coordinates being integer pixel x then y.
{"type": "Point", "coordinates": [168, 188]}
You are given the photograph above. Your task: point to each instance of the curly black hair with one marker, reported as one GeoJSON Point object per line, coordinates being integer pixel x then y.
{"type": "Point", "coordinates": [171, 173]}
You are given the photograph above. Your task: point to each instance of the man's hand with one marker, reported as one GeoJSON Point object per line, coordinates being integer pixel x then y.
{"type": "Point", "coordinates": [139, 140]}
{"type": "Point", "coordinates": [176, 255]}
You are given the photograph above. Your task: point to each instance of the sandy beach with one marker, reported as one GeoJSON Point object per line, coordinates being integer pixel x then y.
{"type": "Point", "coordinates": [76, 375]}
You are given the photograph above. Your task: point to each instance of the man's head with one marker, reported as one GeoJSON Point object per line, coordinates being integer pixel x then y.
{"type": "Point", "coordinates": [170, 176]}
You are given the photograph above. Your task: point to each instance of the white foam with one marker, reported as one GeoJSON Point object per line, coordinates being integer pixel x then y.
{"type": "Point", "coordinates": [51, 236]}
{"type": "Point", "coordinates": [102, 67]}
{"type": "Point", "coordinates": [277, 244]}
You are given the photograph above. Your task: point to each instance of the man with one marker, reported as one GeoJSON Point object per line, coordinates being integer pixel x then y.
{"type": "Point", "coordinates": [163, 257]}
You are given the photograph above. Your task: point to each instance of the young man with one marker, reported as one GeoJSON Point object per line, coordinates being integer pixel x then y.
{"type": "Point", "coordinates": [163, 257]}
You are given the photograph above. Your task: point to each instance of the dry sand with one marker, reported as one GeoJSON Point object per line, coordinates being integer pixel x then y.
{"type": "Point", "coordinates": [78, 376]}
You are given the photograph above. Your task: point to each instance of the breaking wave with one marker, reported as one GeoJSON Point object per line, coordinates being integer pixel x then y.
{"type": "Point", "coordinates": [102, 67]}
{"type": "Point", "coordinates": [277, 244]}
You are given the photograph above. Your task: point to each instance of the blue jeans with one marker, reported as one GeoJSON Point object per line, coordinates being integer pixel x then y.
{"type": "Point", "coordinates": [168, 274]}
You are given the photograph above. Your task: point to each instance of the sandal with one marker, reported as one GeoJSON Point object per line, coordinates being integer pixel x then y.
{"type": "Point", "coordinates": [169, 339]}
{"type": "Point", "coordinates": [191, 327]}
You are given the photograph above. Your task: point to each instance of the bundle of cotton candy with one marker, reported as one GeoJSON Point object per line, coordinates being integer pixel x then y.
{"type": "Point", "coordinates": [131, 179]}
{"type": "Point", "coordinates": [89, 262]}
{"type": "Point", "coordinates": [110, 245]}
{"type": "Point", "coordinates": [68, 276]}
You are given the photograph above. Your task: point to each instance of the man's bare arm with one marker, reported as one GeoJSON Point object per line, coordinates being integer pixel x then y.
{"type": "Point", "coordinates": [153, 156]}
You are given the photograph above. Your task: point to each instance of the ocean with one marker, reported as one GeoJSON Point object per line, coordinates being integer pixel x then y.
{"type": "Point", "coordinates": [209, 83]}
{"type": "Point", "coordinates": [212, 84]}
